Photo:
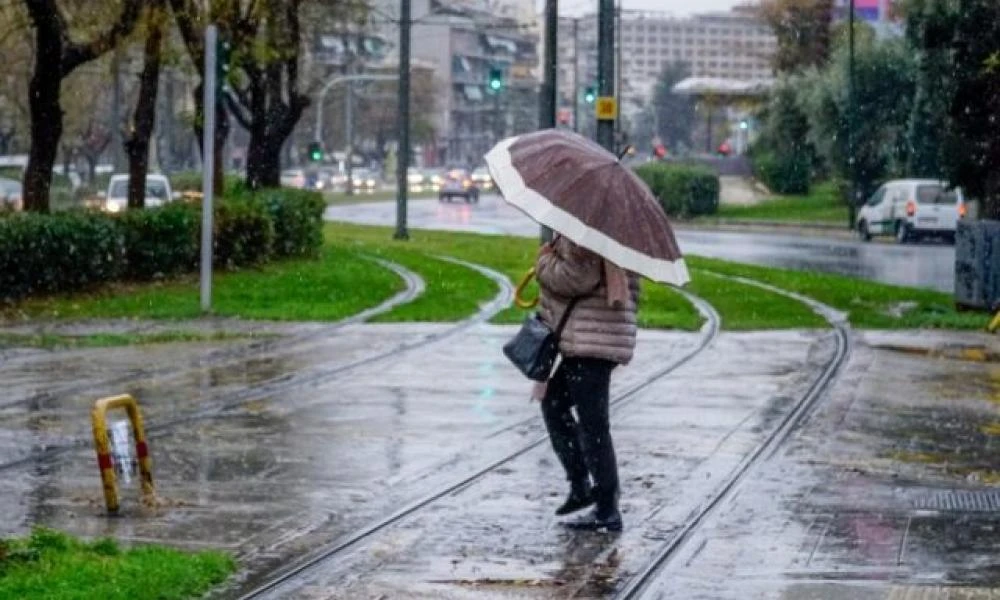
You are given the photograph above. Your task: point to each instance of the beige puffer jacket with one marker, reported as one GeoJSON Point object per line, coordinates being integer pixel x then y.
{"type": "Point", "coordinates": [595, 328]}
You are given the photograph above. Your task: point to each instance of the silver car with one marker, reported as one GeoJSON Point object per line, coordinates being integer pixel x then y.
{"type": "Point", "coordinates": [11, 195]}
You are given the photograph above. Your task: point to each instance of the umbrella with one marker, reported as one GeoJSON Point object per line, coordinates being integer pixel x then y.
{"type": "Point", "coordinates": [577, 188]}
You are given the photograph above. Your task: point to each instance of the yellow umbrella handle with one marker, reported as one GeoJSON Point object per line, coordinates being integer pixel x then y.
{"type": "Point", "coordinates": [518, 300]}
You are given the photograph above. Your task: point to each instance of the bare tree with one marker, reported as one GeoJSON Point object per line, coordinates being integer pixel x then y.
{"type": "Point", "coordinates": [144, 119]}
{"type": "Point", "coordinates": [57, 56]}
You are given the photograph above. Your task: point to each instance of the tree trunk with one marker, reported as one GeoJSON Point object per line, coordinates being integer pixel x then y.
{"type": "Point", "coordinates": [264, 161]}
{"type": "Point", "coordinates": [46, 116]}
{"type": "Point", "coordinates": [137, 144]}
{"type": "Point", "coordinates": [221, 135]}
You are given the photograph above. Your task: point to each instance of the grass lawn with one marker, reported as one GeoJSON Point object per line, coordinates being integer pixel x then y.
{"type": "Point", "coordinates": [869, 305]}
{"type": "Point", "coordinates": [50, 341]}
{"type": "Point", "coordinates": [337, 285]}
{"type": "Point", "coordinates": [821, 205]}
{"type": "Point", "coordinates": [54, 566]}
{"type": "Point", "coordinates": [741, 306]}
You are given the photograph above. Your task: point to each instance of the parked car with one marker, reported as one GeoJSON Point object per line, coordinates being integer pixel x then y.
{"type": "Point", "coordinates": [458, 183]}
{"type": "Point", "coordinates": [481, 176]}
{"type": "Point", "coordinates": [363, 180]}
{"type": "Point", "coordinates": [11, 195]}
{"type": "Point", "coordinates": [912, 208]}
{"type": "Point", "coordinates": [158, 192]}
{"type": "Point", "coordinates": [293, 178]}
{"type": "Point", "coordinates": [414, 179]}
{"type": "Point", "coordinates": [434, 178]}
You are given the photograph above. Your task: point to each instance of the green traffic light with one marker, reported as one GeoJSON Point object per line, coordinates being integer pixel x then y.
{"type": "Point", "coordinates": [495, 85]}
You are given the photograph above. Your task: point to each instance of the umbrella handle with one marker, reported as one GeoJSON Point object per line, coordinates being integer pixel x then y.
{"type": "Point", "coordinates": [518, 300]}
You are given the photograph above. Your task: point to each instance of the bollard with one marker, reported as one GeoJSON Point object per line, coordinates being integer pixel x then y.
{"type": "Point", "coordinates": [103, 447]}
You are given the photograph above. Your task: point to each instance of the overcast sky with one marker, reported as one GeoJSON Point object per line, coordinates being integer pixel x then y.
{"type": "Point", "coordinates": [678, 7]}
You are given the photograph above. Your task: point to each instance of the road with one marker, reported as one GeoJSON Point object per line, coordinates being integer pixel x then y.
{"type": "Point", "coordinates": [929, 265]}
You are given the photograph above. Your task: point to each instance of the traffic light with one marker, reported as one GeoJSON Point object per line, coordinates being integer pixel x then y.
{"type": "Point", "coordinates": [315, 152]}
{"type": "Point", "coordinates": [744, 125]}
{"type": "Point", "coordinates": [496, 79]}
{"type": "Point", "coordinates": [589, 95]}
{"type": "Point", "coordinates": [223, 59]}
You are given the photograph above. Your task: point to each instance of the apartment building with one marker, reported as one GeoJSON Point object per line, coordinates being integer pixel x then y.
{"type": "Point", "coordinates": [729, 45]}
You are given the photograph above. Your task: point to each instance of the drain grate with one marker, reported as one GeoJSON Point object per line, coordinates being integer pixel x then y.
{"type": "Point", "coordinates": [961, 501]}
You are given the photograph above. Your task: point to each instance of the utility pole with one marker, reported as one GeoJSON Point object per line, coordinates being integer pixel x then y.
{"type": "Point", "coordinates": [349, 135]}
{"type": "Point", "coordinates": [851, 159]}
{"type": "Point", "coordinates": [547, 103]}
{"type": "Point", "coordinates": [208, 164]}
{"type": "Point", "coordinates": [606, 68]}
{"type": "Point", "coordinates": [576, 74]}
{"type": "Point", "coordinates": [403, 162]}
{"type": "Point", "coordinates": [619, 91]}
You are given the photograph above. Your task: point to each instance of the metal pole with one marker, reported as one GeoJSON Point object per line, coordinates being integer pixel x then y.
{"type": "Point", "coordinates": [404, 120]}
{"type": "Point", "coordinates": [851, 159]}
{"type": "Point", "coordinates": [349, 135]}
{"type": "Point", "coordinates": [619, 92]}
{"type": "Point", "coordinates": [606, 67]}
{"type": "Point", "coordinates": [576, 74]}
{"type": "Point", "coordinates": [207, 166]}
{"type": "Point", "coordinates": [547, 105]}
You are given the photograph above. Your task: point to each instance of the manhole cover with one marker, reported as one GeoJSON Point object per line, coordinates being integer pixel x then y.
{"type": "Point", "coordinates": [961, 501]}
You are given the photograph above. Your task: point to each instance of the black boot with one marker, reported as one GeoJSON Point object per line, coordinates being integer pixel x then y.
{"type": "Point", "coordinates": [581, 495]}
{"type": "Point", "coordinates": [605, 516]}
{"type": "Point", "coordinates": [597, 521]}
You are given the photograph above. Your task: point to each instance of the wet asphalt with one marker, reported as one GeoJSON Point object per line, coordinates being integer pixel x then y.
{"type": "Point", "coordinates": [930, 264]}
{"type": "Point", "coordinates": [887, 487]}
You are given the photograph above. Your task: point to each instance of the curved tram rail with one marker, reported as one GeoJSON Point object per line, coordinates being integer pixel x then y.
{"type": "Point", "coordinates": [299, 569]}
{"type": "Point", "coordinates": [638, 584]}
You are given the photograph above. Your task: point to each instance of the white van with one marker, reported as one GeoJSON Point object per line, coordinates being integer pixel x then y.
{"type": "Point", "coordinates": [912, 208]}
{"type": "Point", "coordinates": [158, 192]}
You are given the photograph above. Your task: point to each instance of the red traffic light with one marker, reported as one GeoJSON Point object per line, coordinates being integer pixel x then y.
{"type": "Point", "coordinates": [660, 151]}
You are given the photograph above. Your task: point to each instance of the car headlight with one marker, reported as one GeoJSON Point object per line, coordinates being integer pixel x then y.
{"type": "Point", "coordinates": [114, 206]}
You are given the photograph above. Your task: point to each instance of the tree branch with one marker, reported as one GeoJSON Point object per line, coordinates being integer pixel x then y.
{"type": "Point", "coordinates": [77, 53]}
{"type": "Point", "coordinates": [186, 15]}
{"type": "Point", "coordinates": [238, 112]}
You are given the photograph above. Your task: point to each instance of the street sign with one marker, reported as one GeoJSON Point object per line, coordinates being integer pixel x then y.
{"type": "Point", "coordinates": [606, 108]}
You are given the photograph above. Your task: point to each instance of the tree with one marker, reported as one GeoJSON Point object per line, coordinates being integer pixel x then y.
{"type": "Point", "coordinates": [971, 152]}
{"type": "Point", "coordinates": [929, 31]}
{"type": "Point", "coordinates": [143, 120]}
{"type": "Point", "coordinates": [802, 28]}
{"type": "Point", "coordinates": [57, 56]}
{"type": "Point", "coordinates": [884, 90]}
{"type": "Point", "coordinates": [783, 155]}
{"type": "Point", "coordinates": [675, 114]}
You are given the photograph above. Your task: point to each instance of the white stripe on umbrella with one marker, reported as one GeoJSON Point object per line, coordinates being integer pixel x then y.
{"type": "Point", "coordinates": [540, 209]}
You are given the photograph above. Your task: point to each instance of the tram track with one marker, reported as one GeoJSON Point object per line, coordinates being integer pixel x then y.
{"type": "Point", "coordinates": [274, 586]}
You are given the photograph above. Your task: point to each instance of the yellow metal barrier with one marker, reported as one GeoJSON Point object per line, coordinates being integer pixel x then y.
{"type": "Point", "coordinates": [103, 446]}
{"type": "Point", "coordinates": [994, 324]}
{"type": "Point", "coordinates": [518, 300]}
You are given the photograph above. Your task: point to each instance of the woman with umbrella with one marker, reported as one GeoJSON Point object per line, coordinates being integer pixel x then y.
{"type": "Point", "coordinates": [608, 229]}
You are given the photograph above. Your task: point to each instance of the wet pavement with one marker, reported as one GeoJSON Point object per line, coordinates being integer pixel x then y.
{"type": "Point", "coordinates": [886, 491]}
{"type": "Point", "coordinates": [928, 265]}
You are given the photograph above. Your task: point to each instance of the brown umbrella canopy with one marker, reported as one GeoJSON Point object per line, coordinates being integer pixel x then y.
{"type": "Point", "coordinates": [572, 185]}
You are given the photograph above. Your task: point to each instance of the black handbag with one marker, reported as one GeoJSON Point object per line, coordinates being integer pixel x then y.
{"type": "Point", "coordinates": [535, 347]}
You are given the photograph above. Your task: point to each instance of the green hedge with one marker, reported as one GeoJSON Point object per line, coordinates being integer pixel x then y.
{"type": "Point", "coordinates": [77, 249]}
{"type": "Point", "coordinates": [161, 242]}
{"type": "Point", "coordinates": [784, 175]}
{"type": "Point", "coordinates": [683, 190]}
{"type": "Point", "coordinates": [298, 220]}
{"type": "Point", "coordinates": [190, 181]}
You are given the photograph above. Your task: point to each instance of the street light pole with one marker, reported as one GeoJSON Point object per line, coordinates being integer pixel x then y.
{"type": "Point", "coordinates": [403, 160]}
{"type": "Point", "coordinates": [349, 135]}
{"type": "Point", "coordinates": [576, 74]}
{"type": "Point", "coordinates": [606, 68]}
{"type": "Point", "coordinates": [547, 103]}
{"type": "Point", "coordinates": [851, 158]}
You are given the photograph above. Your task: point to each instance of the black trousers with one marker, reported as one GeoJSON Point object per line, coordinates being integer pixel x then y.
{"type": "Point", "coordinates": [584, 447]}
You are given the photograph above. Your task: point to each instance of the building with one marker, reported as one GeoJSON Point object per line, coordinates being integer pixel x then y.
{"type": "Point", "coordinates": [728, 45]}
{"type": "Point", "coordinates": [465, 40]}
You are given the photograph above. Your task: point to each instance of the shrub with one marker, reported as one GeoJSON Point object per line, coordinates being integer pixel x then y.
{"type": "Point", "coordinates": [190, 181]}
{"type": "Point", "coordinates": [789, 174]}
{"type": "Point", "coordinates": [160, 242]}
{"type": "Point", "coordinates": [58, 252]}
{"type": "Point", "coordinates": [244, 234]}
{"type": "Point", "coordinates": [298, 220]}
{"type": "Point", "coordinates": [683, 190]}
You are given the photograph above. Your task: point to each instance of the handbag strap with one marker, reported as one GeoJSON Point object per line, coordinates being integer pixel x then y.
{"type": "Point", "coordinates": [565, 316]}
